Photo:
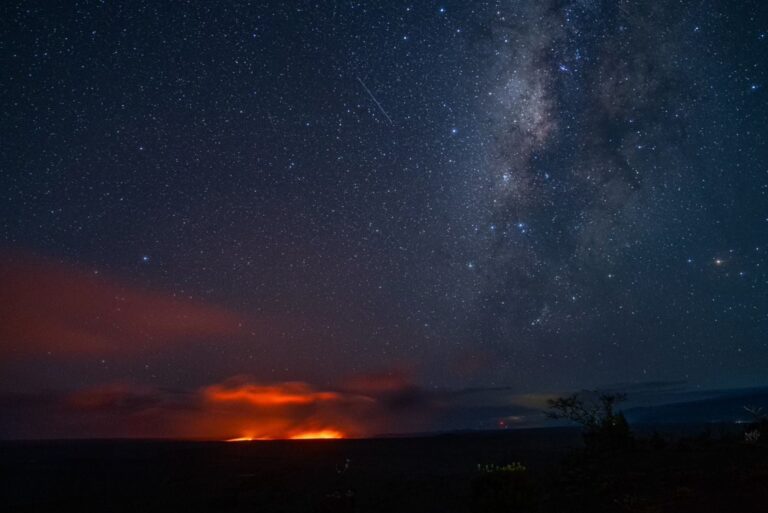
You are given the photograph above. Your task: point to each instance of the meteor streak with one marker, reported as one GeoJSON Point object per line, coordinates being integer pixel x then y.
{"type": "Point", "coordinates": [375, 100]}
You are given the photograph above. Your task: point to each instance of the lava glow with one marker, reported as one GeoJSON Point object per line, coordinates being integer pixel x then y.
{"type": "Point", "coordinates": [324, 434]}
{"type": "Point", "coordinates": [316, 435]}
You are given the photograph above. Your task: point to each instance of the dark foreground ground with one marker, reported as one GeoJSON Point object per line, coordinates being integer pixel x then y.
{"type": "Point", "coordinates": [703, 474]}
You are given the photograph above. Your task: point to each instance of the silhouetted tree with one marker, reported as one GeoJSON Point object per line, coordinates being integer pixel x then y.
{"type": "Point", "coordinates": [757, 430]}
{"type": "Point", "coordinates": [604, 427]}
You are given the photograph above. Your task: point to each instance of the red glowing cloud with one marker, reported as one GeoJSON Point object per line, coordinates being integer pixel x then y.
{"type": "Point", "coordinates": [52, 309]}
{"type": "Point", "coordinates": [290, 393]}
{"type": "Point", "coordinates": [48, 307]}
{"type": "Point", "coordinates": [239, 408]}
{"type": "Point", "coordinates": [243, 409]}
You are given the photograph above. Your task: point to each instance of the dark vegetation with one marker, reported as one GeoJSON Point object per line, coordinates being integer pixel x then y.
{"type": "Point", "coordinates": [615, 470]}
{"type": "Point", "coordinates": [603, 466]}
{"type": "Point", "coordinates": [603, 427]}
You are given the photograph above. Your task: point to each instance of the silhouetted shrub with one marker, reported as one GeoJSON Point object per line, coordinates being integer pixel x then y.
{"type": "Point", "coordinates": [604, 428]}
{"type": "Point", "coordinates": [757, 430]}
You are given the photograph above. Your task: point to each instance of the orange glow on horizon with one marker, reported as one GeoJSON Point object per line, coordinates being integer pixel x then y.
{"type": "Point", "coordinates": [323, 434]}
{"type": "Point", "coordinates": [289, 410]}
{"type": "Point", "coordinates": [318, 435]}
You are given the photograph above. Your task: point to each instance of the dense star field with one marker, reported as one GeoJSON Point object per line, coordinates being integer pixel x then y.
{"type": "Point", "coordinates": [284, 219]}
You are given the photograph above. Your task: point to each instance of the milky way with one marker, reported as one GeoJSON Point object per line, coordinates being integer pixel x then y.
{"type": "Point", "coordinates": [596, 193]}
{"type": "Point", "coordinates": [392, 202]}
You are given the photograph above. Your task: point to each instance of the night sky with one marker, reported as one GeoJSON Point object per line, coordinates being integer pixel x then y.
{"type": "Point", "coordinates": [224, 219]}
